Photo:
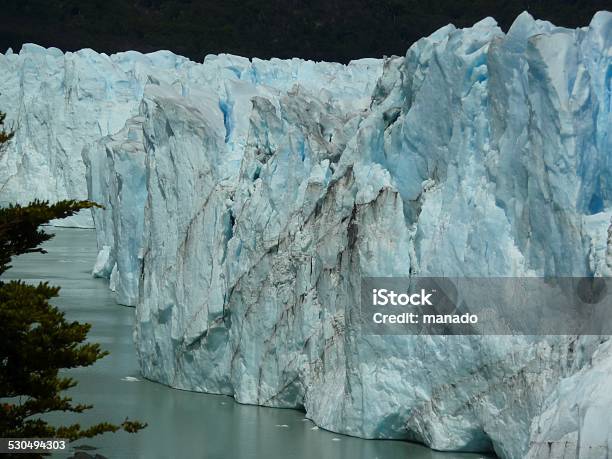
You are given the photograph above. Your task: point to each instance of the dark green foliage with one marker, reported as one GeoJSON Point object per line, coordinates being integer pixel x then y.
{"type": "Point", "coordinates": [4, 136]}
{"type": "Point", "coordinates": [330, 30]}
{"type": "Point", "coordinates": [36, 340]}
{"type": "Point", "coordinates": [19, 226]}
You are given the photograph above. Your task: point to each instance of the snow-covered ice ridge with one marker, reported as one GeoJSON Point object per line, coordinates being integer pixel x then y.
{"type": "Point", "coordinates": [245, 200]}
{"type": "Point", "coordinates": [60, 102]}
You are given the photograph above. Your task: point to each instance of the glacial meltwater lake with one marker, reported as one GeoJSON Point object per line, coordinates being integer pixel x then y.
{"type": "Point", "coordinates": [181, 424]}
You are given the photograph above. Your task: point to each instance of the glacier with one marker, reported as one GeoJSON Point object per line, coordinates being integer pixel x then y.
{"type": "Point", "coordinates": [245, 199]}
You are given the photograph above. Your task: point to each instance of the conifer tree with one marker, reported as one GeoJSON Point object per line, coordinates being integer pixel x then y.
{"type": "Point", "coordinates": [36, 341]}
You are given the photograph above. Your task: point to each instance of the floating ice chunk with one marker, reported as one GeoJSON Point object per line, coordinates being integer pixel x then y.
{"type": "Point", "coordinates": [104, 263]}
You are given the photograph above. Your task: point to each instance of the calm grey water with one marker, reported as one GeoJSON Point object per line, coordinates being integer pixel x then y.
{"type": "Point", "coordinates": [181, 424]}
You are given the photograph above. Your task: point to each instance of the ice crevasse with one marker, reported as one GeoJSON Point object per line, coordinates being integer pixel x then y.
{"type": "Point", "coordinates": [245, 199]}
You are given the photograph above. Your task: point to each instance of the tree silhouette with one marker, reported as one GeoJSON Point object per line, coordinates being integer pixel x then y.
{"type": "Point", "coordinates": [36, 340]}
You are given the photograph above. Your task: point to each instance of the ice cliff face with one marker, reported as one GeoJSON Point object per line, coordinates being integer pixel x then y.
{"type": "Point", "coordinates": [116, 166]}
{"type": "Point", "coordinates": [576, 419]}
{"type": "Point", "coordinates": [245, 200]}
{"type": "Point", "coordinates": [223, 87]}
{"type": "Point", "coordinates": [58, 103]}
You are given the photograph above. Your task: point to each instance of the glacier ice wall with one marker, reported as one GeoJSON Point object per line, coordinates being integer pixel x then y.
{"type": "Point", "coordinates": [481, 154]}
{"type": "Point", "coordinates": [245, 200]}
{"type": "Point", "coordinates": [222, 87]}
{"type": "Point", "coordinates": [58, 103]}
{"type": "Point", "coordinates": [116, 179]}
{"type": "Point", "coordinates": [575, 421]}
